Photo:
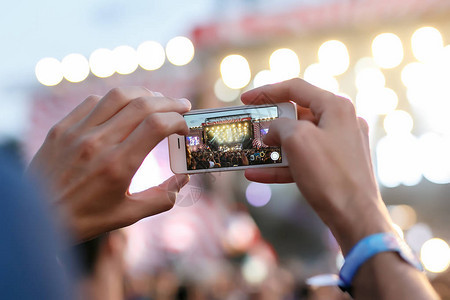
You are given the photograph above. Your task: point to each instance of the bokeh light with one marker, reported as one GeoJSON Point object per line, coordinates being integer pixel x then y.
{"type": "Point", "coordinates": [101, 63]}
{"type": "Point", "coordinates": [403, 215]}
{"type": "Point", "coordinates": [427, 43]}
{"type": "Point", "coordinates": [370, 79]}
{"type": "Point", "coordinates": [412, 74]}
{"type": "Point", "coordinates": [151, 55]}
{"type": "Point", "coordinates": [284, 64]}
{"type": "Point", "coordinates": [417, 235]}
{"type": "Point", "coordinates": [258, 194]}
{"type": "Point", "coordinates": [49, 71]}
{"type": "Point", "coordinates": [241, 232]}
{"type": "Point", "coordinates": [75, 67]}
{"type": "Point", "coordinates": [264, 77]}
{"type": "Point", "coordinates": [235, 71]}
{"type": "Point", "coordinates": [334, 57]}
{"type": "Point", "coordinates": [317, 75]}
{"type": "Point", "coordinates": [180, 51]}
{"type": "Point", "coordinates": [224, 93]}
{"type": "Point", "coordinates": [254, 270]}
{"type": "Point", "coordinates": [434, 154]}
{"type": "Point", "coordinates": [380, 101]}
{"type": "Point", "coordinates": [398, 122]}
{"type": "Point", "coordinates": [125, 60]}
{"type": "Point", "coordinates": [397, 160]}
{"type": "Point", "coordinates": [387, 50]}
{"type": "Point", "coordinates": [435, 255]}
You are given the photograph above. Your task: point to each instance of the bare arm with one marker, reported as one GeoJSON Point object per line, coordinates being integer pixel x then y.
{"type": "Point", "coordinates": [330, 162]}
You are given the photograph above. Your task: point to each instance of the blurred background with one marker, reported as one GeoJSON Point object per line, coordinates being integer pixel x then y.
{"type": "Point", "coordinates": [228, 238]}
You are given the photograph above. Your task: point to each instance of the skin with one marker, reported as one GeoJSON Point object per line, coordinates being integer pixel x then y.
{"type": "Point", "coordinates": [89, 158]}
{"type": "Point", "coordinates": [329, 156]}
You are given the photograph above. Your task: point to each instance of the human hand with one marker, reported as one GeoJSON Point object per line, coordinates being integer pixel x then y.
{"type": "Point", "coordinates": [89, 158]}
{"type": "Point", "coordinates": [329, 159]}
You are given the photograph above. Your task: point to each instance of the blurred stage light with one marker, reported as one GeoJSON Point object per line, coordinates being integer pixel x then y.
{"type": "Point", "coordinates": [284, 64]}
{"type": "Point", "coordinates": [49, 71]}
{"type": "Point", "coordinates": [398, 122]}
{"type": "Point", "coordinates": [379, 101]}
{"type": "Point", "coordinates": [258, 194]}
{"type": "Point", "coordinates": [403, 215]}
{"type": "Point", "coordinates": [370, 79]}
{"type": "Point", "coordinates": [436, 161]}
{"type": "Point", "coordinates": [264, 77]}
{"type": "Point", "coordinates": [397, 160]}
{"type": "Point", "coordinates": [412, 74]}
{"type": "Point", "coordinates": [101, 63]}
{"type": "Point", "coordinates": [75, 67]}
{"type": "Point", "coordinates": [387, 50]}
{"type": "Point", "coordinates": [224, 93]}
{"type": "Point", "coordinates": [365, 63]}
{"type": "Point", "coordinates": [254, 270]}
{"type": "Point", "coordinates": [235, 71]}
{"type": "Point", "coordinates": [435, 255]}
{"type": "Point", "coordinates": [319, 76]}
{"type": "Point", "coordinates": [426, 44]}
{"type": "Point", "coordinates": [334, 57]}
{"type": "Point", "coordinates": [125, 60]}
{"type": "Point", "coordinates": [180, 51]}
{"type": "Point", "coordinates": [151, 55]}
{"type": "Point", "coordinates": [241, 232]}
{"type": "Point", "coordinates": [417, 235]}
{"type": "Point", "coordinates": [178, 234]}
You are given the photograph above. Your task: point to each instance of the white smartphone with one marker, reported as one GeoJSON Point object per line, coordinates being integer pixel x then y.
{"type": "Point", "coordinates": [228, 139]}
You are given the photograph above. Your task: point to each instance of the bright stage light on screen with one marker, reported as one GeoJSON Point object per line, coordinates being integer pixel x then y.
{"type": "Point", "coordinates": [125, 60]}
{"type": "Point", "coordinates": [334, 57]}
{"type": "Point", "coordinates": [264, 77]}
{"type": "Point", "coordinates": [436, 161]}
{"type": "Point", "coordinates": [75, 67]}
{"type": "Point", "coordinates": [235, 71]}
{"type": "Point", "coordinates": [151, 55]}
{"type": "Point", "coordinates": [101, 63]}
{"type": "Point", "coordinates": [49, 71]}
{"type": "Point", "coordinates": [435, 255]}
{"type": "Point", "coordinates": [370, 79]}
{"type": "Point", "coordinates": [387, 50]}
{"type": "Point", "coordinates": [224, 93]}
{"type": "Point", "coordinates": [426, 43]}
{"type": "Point", "coordinates": [284, 64]}
{"type": "Point", "coordinates": [319, 76]}
{"type": "Point", "coordinates": [180, 51]}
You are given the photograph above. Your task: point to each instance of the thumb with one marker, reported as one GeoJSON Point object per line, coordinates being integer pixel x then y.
{"type": "Point", "coordinates": [155, 200]}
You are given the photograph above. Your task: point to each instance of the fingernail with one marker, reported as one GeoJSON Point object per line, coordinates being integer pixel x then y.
{"type": "Point", "coordinates": [186, 102]}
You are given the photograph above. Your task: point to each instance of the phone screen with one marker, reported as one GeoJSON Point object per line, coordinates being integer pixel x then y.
{"type": "Point", "coordinates": [230, 138]}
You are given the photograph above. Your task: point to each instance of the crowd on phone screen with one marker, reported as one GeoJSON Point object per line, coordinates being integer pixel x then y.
{"type": "Point", "coordinates": [206, 158]}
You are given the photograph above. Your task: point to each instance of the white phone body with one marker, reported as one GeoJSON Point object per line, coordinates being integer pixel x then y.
{"type": "Point", "coordinates": [227, 139]}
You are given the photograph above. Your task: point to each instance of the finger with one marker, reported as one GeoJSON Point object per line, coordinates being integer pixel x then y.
{"type": "Point", "coordinates": [80, 112]}
{"type": "Point", "coordinates": [112, 102]}
{"type": "Point", "coordinates": [269, 175]}
{"type": "Point", "coordinates": [155, 200]}
{"type": "Point", "coordinates": [305, 114]}
{"type": "Point", "coordinates": [148, 134]}
{"type": "Point", "coordinates": [326, 107]}
{"type": "Point", "coordinates": [125, 121]}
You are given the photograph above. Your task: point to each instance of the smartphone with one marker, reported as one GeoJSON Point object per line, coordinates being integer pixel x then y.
{"type": "Point", "coordinates": [228, 138]}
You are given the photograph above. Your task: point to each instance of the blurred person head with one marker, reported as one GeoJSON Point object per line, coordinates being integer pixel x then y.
{"type": "Point", "coordinates": [103, 266]}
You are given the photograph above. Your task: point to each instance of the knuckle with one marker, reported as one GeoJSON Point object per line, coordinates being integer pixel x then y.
{"type": "Point", "coordinates": [141, 104]}
{"type": "Point", "coordinates": [92, 99]}
{"type": "Point", "coordinates": [117, 93]}
{"type": "Point", "coordinates": [156, 123]}
{"type": "Point", "coordinates": [55, 132]}
{"type": "Point", "coordinates": [88, 147]}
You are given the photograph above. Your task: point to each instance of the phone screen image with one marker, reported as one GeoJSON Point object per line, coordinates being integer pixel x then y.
{"type": "Point", "coordinates": [231, 138]}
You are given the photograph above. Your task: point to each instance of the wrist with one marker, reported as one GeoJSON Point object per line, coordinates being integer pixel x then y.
{"type": "Point", "coordinates": [362, 217]}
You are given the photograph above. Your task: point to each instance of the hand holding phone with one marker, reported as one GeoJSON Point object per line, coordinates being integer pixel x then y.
{"type": "Point", "coordinates": [228, 139]}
